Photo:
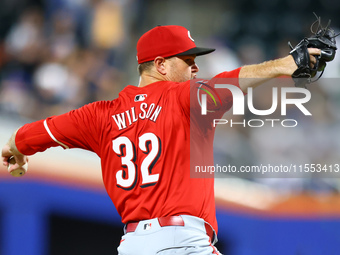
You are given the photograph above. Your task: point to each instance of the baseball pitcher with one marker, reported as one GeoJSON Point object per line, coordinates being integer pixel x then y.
{"type": "Point", "coordinates": [143, 141]}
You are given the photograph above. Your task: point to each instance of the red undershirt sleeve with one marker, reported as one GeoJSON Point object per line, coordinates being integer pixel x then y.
{"type": "Point", "coordinates": [230, 74]}
{"type": "Point", "coordinates": [79, 128]}
{"type": "Point", "coordinates": [224, 96]}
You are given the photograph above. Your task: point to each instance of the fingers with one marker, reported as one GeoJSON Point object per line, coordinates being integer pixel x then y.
{"type": "Point", "coordinates": [312, 53]}
{"type": "Point", "coordinates": [6, 153]}
{"type": "Point", "coordinates": [20, 159]}
{"type": "Point", "coordinates": [312, 61]}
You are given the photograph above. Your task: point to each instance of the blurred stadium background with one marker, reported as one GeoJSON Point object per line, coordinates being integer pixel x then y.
{"type": "Point", "coordinates": [57, 55]}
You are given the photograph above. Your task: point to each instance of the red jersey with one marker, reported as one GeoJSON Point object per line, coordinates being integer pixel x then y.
{"type": "Point", "coordinates": [143, 140]}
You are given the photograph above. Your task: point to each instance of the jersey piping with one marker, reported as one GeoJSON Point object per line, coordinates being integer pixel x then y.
{"type": "Point", "coordinates": [52, 136]}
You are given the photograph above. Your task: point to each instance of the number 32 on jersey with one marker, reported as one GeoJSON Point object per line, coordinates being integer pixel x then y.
{"type": "Point", "coordinates": [126, 150]}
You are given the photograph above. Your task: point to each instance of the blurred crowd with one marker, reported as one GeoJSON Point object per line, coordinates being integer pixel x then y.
{"type": "Point", "coordinates": [57, 55]}
{"type": "Point", "coordinates": [52, 62]}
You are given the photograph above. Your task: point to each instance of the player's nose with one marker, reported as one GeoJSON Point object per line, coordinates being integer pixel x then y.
{"type": "Point", "coordinates": [194, 68]}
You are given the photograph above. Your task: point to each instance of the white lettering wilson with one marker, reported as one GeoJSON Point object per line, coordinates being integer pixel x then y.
{"type": "Point", "coordinates": [127, 118]}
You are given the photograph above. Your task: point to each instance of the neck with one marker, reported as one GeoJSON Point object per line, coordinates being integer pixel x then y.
{"type": "Point", "coordinates": [149, 78]}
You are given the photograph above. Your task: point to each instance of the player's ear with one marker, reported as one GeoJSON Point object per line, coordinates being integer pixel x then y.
{"type": "Point", "coordinates": [160, 65]}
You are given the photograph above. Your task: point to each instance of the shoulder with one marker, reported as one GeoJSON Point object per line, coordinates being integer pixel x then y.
{"type": "Point", "coordinates": [97, 108]}
{"type": "Point", "coordinates": [159, 87]}
{"type": "Point", "coordinates": [100, 104]}
{"type": "Point", "coordinates": [179, 86]}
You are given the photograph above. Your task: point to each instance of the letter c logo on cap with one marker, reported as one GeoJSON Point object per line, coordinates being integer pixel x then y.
{"type": "Point", "coordinates": [190, 36]}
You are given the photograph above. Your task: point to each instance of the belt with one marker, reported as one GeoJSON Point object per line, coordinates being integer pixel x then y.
{"type": "Point", "coordinates": [170, 221]}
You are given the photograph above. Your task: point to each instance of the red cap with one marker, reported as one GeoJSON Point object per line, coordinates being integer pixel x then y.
{"type": "Point", "coordinates": [167, 41]}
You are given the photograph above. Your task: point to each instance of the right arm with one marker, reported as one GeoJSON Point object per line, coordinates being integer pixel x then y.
{"type": "Point", "coordinates": [75, 129]}
{"type": "Point", "coordinates": [10, 149]}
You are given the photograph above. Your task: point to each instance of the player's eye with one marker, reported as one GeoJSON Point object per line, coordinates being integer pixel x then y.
{"type": "Point", "coordinates": [189, 61]}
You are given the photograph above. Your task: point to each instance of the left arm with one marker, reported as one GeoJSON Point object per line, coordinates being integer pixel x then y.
{"type": "Point", "coordinates": [254, 75]}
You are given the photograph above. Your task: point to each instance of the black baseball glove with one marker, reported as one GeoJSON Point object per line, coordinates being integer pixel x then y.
{"type": "Point", "coordinates": [323, 39]}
